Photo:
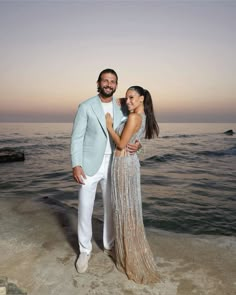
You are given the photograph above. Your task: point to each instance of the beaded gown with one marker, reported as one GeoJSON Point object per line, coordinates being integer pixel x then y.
{"type": "Point", "coordinates": [133, 254]}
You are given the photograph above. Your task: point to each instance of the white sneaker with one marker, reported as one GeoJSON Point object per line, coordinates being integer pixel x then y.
{"type": "Point", "coordinates": [82, 262]}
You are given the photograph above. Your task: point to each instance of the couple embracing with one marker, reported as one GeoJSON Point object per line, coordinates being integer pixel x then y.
{"type": "Point", "coordinates": [105, 140]}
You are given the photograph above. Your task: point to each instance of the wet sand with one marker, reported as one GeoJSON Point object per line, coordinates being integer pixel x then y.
{"type": "Point", "coordinates": [38, 244]}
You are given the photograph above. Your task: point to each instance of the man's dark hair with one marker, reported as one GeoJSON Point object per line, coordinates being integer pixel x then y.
{"type": "Point", "coordinates": [107, 71]}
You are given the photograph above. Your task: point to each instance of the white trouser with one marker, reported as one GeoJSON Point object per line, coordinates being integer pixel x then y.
{"type": "Point", "coordinates": [87, 194]}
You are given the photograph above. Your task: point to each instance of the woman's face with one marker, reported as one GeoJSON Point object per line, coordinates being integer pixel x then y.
{"type": "Point", "coordinates": [134, 101]}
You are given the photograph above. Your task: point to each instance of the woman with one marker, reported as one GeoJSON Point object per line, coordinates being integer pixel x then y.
{"type": "Point", "coordinates": [133, 254]}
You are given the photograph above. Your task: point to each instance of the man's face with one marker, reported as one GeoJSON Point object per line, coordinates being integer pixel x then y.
{"type": "Point", "coordinates": [108, 84]}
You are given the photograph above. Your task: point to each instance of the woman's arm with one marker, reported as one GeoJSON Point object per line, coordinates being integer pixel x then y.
{"type": "Point", "coordinates": [132, 125]}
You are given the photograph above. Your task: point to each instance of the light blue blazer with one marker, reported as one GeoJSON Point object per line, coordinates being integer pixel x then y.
{"type": "Point", "coordinates": [89, 134]}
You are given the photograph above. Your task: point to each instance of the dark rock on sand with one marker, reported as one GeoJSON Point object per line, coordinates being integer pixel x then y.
{"type": "Point", "coordinates": [9, 288]}
{"type": "Point", "coordinates": [11, 155]}
{"type": "Point", "coordinates": [229, 132]}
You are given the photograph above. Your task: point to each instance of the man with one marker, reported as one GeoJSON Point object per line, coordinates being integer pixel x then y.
{"type": "Point", "coordinates": [91, 152]}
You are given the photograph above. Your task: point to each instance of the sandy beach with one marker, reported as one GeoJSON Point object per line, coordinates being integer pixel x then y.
{"type": "Point", "coordinates": [39, 246]}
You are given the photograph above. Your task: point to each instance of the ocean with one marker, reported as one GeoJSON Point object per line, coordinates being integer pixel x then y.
{"type": "Point", "coordinates": [188, 174]}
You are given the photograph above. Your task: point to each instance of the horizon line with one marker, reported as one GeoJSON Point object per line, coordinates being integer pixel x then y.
{"type": "Point", "coordinates": [71, 122]}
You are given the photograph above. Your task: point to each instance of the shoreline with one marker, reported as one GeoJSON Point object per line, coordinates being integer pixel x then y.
{"type": "Point", "coordinates": [39, 242]}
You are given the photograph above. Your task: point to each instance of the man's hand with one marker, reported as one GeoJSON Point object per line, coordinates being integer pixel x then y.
{"type": "Point", "coordinates": [78, 174]}
{"type": "Point", "coordinates": [133, 148]}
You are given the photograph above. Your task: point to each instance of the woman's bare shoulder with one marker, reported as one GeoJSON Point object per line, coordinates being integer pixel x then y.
{"type": "Point", "coordinates": [134, 116]}
{"type": "Point", "coordinates": [134, 120]}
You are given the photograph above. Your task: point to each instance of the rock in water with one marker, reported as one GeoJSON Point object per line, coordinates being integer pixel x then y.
{"type": "Point", "coordinates": [229, 132]}
{"type": "Point", "coordinates": [11, 155]}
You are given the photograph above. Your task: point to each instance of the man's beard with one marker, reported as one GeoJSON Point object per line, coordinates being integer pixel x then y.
{"type": "Point", "coordinates": [106, 94]}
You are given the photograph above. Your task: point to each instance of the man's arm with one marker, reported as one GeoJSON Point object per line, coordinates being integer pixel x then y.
{"type": "Point", "coordinates": [77, 140]}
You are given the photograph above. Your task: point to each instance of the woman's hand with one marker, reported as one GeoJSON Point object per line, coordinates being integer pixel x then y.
{"type": "Point", "coordinates": [109, 120]}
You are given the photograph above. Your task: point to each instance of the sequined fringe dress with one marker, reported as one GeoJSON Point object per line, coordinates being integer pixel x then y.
{"type": "Point", "coordinates": [133, 254]}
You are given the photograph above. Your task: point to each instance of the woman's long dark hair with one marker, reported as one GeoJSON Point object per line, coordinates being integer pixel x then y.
{"type": "Point", "coordinates": [151, 126]}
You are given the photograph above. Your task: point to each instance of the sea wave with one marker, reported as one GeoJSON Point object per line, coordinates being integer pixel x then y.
{"type": "Point", "coordinates": [227, 152]}
{"type": "Point", "coordinates": [163, 158]}
{"type": "Point", "coordinates": [179, 136]}
{"type": "Point", "coordinates": [193, 156]}
{"type": "Point", "coordinates": [188, 180]}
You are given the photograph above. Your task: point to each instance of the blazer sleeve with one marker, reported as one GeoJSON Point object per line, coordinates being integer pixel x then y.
{"type": "Point", "coordinates": [77, 138]}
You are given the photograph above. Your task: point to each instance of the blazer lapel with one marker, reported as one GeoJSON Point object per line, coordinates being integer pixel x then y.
{"type": "Point", "coordinates": [99, 113]}
{"type": "Point", "coordinates": [117, 114]}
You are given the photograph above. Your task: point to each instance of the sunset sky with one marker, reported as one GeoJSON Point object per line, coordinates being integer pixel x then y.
{"type": "Point", "coordinates": [183, 52]}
